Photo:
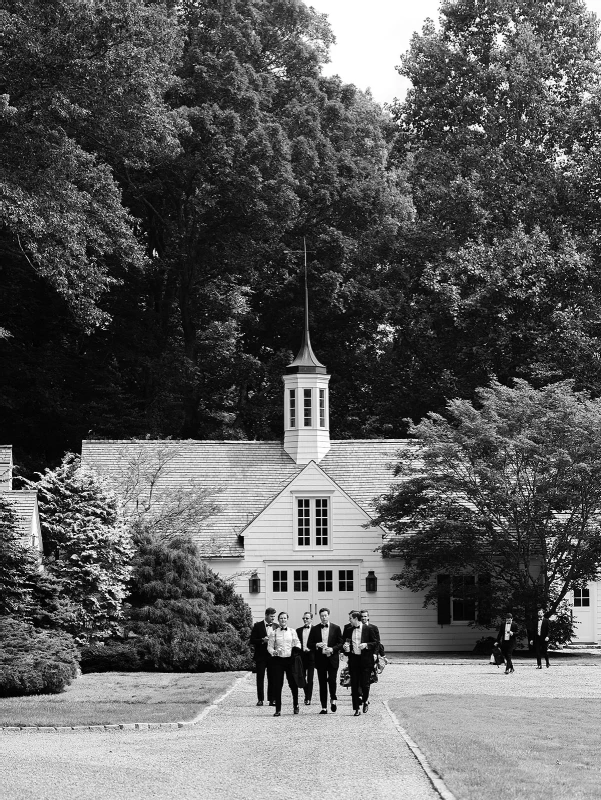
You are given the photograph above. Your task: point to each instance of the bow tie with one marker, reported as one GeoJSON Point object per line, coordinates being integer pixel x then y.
{"type": "Point", "coordinates": [307, 626]}
{"type": "Point", "coordinates": [282, 628]}
{"type": "Point", "coordinates": [324, 625]}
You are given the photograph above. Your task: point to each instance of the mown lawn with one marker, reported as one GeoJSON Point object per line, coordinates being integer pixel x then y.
{"type": "Point", "coordinates": [513, 748]}
{"type": "Point", "coordinates": [108, 698]}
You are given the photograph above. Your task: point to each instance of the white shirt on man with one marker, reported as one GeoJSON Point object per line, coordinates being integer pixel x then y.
{"type": "Point", "coordinates": [356, 639]}
{"type": "Point", "coordinates": [282, 640]}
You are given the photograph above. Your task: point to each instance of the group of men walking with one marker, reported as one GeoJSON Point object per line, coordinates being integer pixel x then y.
{"type": "Point", "coordinates": [283, 651]}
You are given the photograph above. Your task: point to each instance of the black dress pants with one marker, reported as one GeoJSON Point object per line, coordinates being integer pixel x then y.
{"type": "Point", "coordinates": [264, 666]}
{"type": "Point", "coordinates": [507, 650]}
{"type": "Point", "coordinates": [360, 672]}
{"type": "Point", "coordinates": [540, 648]}
{"type": "Point", "coordinates": [308, 660]}
{"type": "Point", "coordinates": [280, 667]}
{"type": "Point", "coordinates": [326, 675]}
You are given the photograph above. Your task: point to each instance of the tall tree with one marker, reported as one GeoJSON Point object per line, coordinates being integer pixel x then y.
{"type": "Point", "coordinates": [499, 275]}
{"type": "Point", "coordinates": [508, 488]}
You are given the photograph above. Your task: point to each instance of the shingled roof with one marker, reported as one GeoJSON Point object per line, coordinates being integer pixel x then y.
{"type": "Point", "coordinates": [244, 477]}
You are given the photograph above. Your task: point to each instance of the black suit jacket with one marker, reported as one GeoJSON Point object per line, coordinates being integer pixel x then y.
{"type": "Point", "coordinates": [335, 641]}
{"type": "Point", "coordinates": [308, 655]}
{"type": "Point", "coordinates": [368, 637]}
{"type": "Point", "coordinates": [260, 629]}
{"type": "Point", "coordinates": [544, 632]}
{"type": "Point", "coordinates": [501, 636]}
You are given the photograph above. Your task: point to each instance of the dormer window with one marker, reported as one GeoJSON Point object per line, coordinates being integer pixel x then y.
{"type": "Point", "coordinates": [307, 409]}
{"type": "Point", "coordinates": [322, 408]}
{"type": "Point", "coordinates": [293, 408]}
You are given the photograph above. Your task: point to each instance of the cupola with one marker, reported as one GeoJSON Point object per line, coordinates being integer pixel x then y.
{"type": "Point", "coordinates": [306, 403]}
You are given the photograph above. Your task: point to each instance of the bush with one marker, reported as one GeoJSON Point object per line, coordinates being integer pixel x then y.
{"type": "Point", "coordinates": [111, 657]}
{"type": "Point", "coordinates": [34, 661]}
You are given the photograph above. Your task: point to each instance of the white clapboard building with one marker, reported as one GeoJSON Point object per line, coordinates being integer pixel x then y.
{"type": "Point", "coordinates": [23, 501]}
{"type": "Point", "coordinates": [291, 523]}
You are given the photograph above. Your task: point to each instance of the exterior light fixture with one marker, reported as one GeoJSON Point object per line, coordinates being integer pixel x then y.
{"type": "Point", "coordinates": [254, 584]}
{"type": "Point", "coordinates": [371, 582]}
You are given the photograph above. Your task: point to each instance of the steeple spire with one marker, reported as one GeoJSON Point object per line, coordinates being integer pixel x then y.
{"type": "Point", "coordinates": [306, 403]}
{"type": "Point", "coordinates": [306, 361]}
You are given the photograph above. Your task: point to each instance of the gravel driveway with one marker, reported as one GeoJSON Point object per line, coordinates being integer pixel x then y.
{"type": "Point", "coordinates": [237, 752]}
{"type": "Point", "coordinates": [240, 752]}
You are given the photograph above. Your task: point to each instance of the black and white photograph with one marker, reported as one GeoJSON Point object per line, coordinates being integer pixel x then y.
{"type": "Point", "coordinates": [300, 399]}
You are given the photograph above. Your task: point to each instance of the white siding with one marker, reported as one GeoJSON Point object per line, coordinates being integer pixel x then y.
{"type": "Point", "coordinates": [403, 623]}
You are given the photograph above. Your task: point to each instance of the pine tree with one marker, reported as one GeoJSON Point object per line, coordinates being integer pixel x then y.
{"type": "Point", "coordinates": [188, 617]}
{"type": "Point", "coordinates": [89, 547]}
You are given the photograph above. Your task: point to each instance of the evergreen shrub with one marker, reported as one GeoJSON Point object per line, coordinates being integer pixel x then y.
{"type": "Point", "coordinates": [33, 661]}
{"type": "Point", "coordinates": [112, 657]}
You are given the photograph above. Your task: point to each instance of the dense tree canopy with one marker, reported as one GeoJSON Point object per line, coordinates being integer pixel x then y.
{"type": "Point", "coordinates": [163, 163]}
{"type": "Point", "coordinates": [508, 488]}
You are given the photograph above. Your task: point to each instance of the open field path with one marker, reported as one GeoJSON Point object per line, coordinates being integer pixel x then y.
{"type": "Point", "coordinates": [237, 752]}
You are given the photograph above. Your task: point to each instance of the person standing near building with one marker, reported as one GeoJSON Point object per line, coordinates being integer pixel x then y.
{"type": "Point", "coordinates": [506, 638]}
{"type": "Point", "coordinates": [307, 655]}
{"type": "Point", "coordinates": [283, 644]}
{"type": "Point", "coordinates": [360, 648]}
{"type": "Point", "coordinates": [326, 641]}
{"type": "Point", "coordinates": [540, 638]}
{"type": "Point", "coordinates": [258, 640]}
{"type": "Point", "coordinates": [379, 651]}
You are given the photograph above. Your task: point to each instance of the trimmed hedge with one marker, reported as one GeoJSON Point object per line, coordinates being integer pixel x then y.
{"type": "Point", "coordinates": [33, 661]}
{"type": "Point", "coordinates": [111, 657]}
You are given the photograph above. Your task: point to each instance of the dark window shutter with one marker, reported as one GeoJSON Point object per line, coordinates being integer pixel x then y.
{"type": "Point", "coordinates": [444, 599]}
{"type": "Point", "coordinates": [484, 599]}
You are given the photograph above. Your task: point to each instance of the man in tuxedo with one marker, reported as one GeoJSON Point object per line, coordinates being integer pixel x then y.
{"type": "Point", "coordinates": [282, 646]}
{"type": "Point", "coordinates": [346, 631]}
{"type": "Point", "coordinates": [307, 656]}
{"type": "Point", "coordinates": [325, 640]}
{"type": "Point", "coordinates": [360, 648]}
{"type": "Point", "coordinates": [258, 640]}
{"type": "Point", "coordinates": [539, 637]}
{"type": "Point", "coordinates": [506, 639]}
{"type": "Point", "coordinates": [379, 651]}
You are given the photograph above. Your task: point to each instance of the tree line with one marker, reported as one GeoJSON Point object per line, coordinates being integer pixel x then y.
{"type": "Point", "coordinates": [162, 162]}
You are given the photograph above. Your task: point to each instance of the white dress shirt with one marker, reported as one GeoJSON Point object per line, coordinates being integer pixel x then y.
{"type": "Point", "coordinates": [540, 624]}
{"type": "Point", "coordinates": [325, 632]}
{"type": "Point", "coordinates": [283, 640]}
{"type": "Point", "coordinates": [356, 639]}
{"type": "Point", "coordinates": [508, 630]}
{"type": "Point", "coordinates": [305, 636]}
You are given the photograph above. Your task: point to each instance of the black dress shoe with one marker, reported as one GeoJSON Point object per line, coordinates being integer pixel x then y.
{"type": "Point", "coordinates": [271, 702]}
{"type": "Point", "coordinates": [307, 702]}
{"type": "Point", "coordinates": [365, 707]}
{"type": "Point", "coordinates": [296, 709]}
{"type": "Point", "coordinates": [277, 714]}
{"type": "Point", "coordinates": [324, 711]}
{"type": "Point", "coordinates": [333, 705]}
{"type": "Point", "coordinates": [357, 713]}
{"type": "Point", "coordinates": [259, 702]}
{"type": "Point", "coordinates": [539, 667]}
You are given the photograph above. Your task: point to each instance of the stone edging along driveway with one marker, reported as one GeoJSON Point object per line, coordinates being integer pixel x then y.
{"type": "Point", "coordinates": [126, 726]}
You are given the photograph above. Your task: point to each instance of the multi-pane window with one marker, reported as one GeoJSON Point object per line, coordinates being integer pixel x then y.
{"type": "Point", "coordinates": [313, 522]}
{"type": "Point", "coordinates": [304, 523]}
{"type": "Point", "coordinates": [345, 580]}
{"type": "Point", "coordinates": [322, 408]}
{"type": "Point", "coordinates": [325, 580]}
{"type": "Point", "coordinates": [293, 408]}
{"type": "Point", "coordinates": [463, 598]}
{"type": "Point", "coordinates": [321, 522]}
{"type": "Point", "coordinates": [280, 580]}
{"type": "Point", "coordinates": [301, 580]}
{"type": "Point", "coordinates": [582, 597]}
{"type": "Point", "coordinates": [307, 408]}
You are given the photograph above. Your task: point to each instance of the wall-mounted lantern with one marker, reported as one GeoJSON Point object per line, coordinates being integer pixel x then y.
{"type": "Point", "coordinates": [254, 584]}
{"type": "Point", "coordinates": [371, 582]}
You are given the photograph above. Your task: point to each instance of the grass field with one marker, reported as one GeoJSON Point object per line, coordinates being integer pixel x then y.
{"type": "Point", "coordinates": [119, 697]}
{"type": "Point", "coordinates": [515, 748]}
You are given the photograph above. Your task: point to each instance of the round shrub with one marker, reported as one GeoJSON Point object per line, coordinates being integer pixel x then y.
{"type": "Point", "coordinates": [33, 661]}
